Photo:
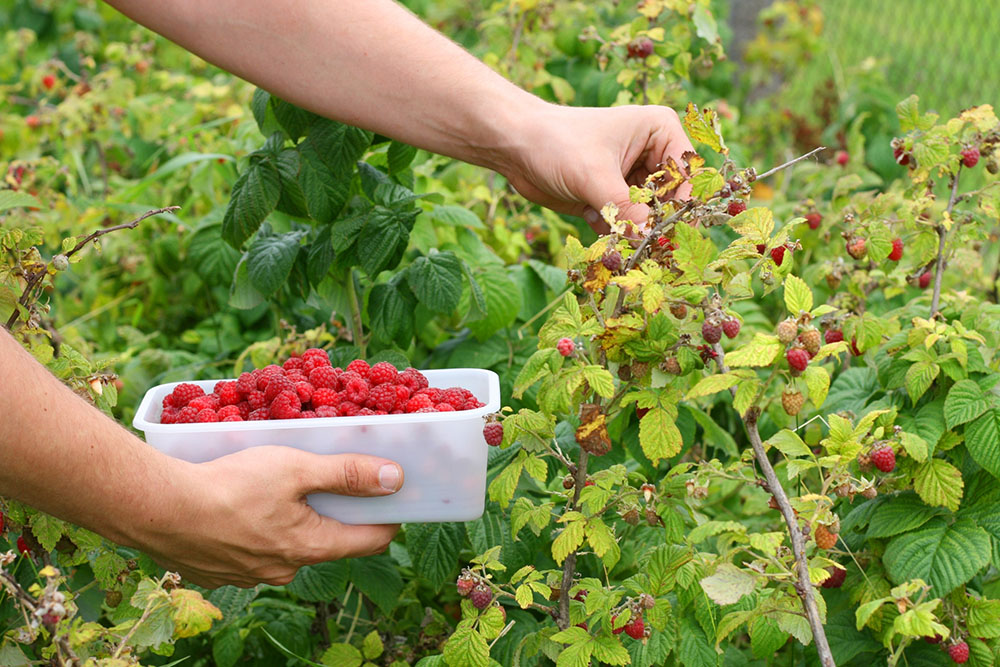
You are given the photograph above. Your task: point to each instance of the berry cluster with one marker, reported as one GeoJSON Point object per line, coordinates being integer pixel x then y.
{"type": "Point", "coordinates": [308, 387]}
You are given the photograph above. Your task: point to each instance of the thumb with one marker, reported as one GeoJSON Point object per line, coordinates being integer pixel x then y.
{"type": "Point", "coordinates": [613, 189]}
{"type": "Point", "coordinates": [349, 474]}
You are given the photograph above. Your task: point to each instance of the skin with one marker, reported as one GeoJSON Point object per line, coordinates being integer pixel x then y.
{"type": "Point", "coordinates": [242, 519]}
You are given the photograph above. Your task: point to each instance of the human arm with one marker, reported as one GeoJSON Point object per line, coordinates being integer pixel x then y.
{"type": "Point", "coordinates": [237, 520]}
{"type": "Point", "coordinates": [373, 64]}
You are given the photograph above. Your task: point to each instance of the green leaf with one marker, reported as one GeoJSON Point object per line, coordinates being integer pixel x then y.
{"type": "Point", "coordinates": [325, 193]}
{"type": "Point", "coordinates": [694, 648]}
{"type": "Point", "coordinates": [254, 196]}
{"type": "Point", "coordinates": [983, 618]}
{"type": "Point", "coordinates": [323, 582]}
{"type": "Point", "coordinates": [342, 655]}
{"type": "Point", "coordinates": [437, 281]}
{"type": "Point", "coordinates": [712, 384]}
{"type": "Point", "coordinates": [818, 382]}
{"type": "Point", "coordinates": [939, 483]}
{"type": "Point", "coordinates": [755, 223]}
{"type": "Point", "coordinates": [879, 243]}
{"type": "Point", "coordinates": [946, 556]}
{"type": "Point", "coordinates": [919, 621]}
{"type": "Point", "coordinates": [320, 257]}
{"type": "Point", "coordinates": [227, 646]}
{"type": "Point", "coordinates": [965, 401]}
{"type": "Point", "coordinates": [659, 436]}
{"type": "Point", "coordinates": [340, 146]}
{"type": "Point", "coordinates": [900, 513]}
{"type": "Point", "coordinates": [728, 584]}
{"type": "Point", "coordinates": [789, 443]}
{"type": "Point", "coordinates": [569, 540]}
{"type": "Point", "coordinates": [982, 439]}
{"type": "Point", "coordinates": [466, 647]}
{"type": "Point", "coordinates": [378, 578]}
{"type": "Point", "coordinates": [766, 637]}
{"type": "Point", "coordinates": [294, 120]}
{"type": "Point", "coordinates": [695, 253]}
{"type": "Point", "coordinates": [706, 183]}
{"type": "Point", "coordinates": [47, 530]}
{"type": "Point", "coordinates": [383, 239]}
{"type": "Point", "coordinates": [503, 301]}
{"type": "Point", "coordinates": [456, 216]}
{"type": "Point", "coordinates": [11, 199]}
{"type": "Point", "coordinates": [600, 380]}
{"type": "Point", "coordinates": [390, 312]}
{"type": "Point", "coordinates": [399, 157]}
{"type": "Point", "coordinates": [270, 260]}
{"type": "Point", "coordinates": [433, 548]}
{"type": "Point", "coordinates": [761, 351]}
{"type": "Point", "coordinates": [602, 541]}
{"type": "Point", "coordinates": [915, 446]}
{"type": "Point", "coordinates": [798, 296]}
{"type": "Point", "coordinates": [919, 378]}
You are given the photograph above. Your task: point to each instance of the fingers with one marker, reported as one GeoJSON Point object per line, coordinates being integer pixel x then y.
{"type": "Point", "coordinates": [347, 474]}
{"type": "Point", "coordinates": [334, 540]}
{"type": "Point", "coordinates": [610, 187]}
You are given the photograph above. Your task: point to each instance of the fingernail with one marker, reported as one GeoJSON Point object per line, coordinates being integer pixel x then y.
{"type": "Point", "coordinates": [389, 476]}
{"type": "Point", "coordinates": [591, 216]}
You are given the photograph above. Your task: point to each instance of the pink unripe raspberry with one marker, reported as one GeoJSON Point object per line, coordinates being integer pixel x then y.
{"type": "Point", "coordinates": [731, 328]}
{"type": "Point", "coordinates": [842, 158]}
{"type": "Point", "coordinates": [970, 158]}
{"type": "Point", "coordinates": [897, 249]}
{"type": "Point", "coordinates": [493, 433]}
{"type": "Point", "coordinates": [736, 207]}
{"type": "Point", "coordinates": [959, 652]}
{"type": "Point", "coordinates": [884, 459]}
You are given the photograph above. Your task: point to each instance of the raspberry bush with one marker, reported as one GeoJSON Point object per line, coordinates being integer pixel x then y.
{"type": "Point", "coordinates": [762, 429]}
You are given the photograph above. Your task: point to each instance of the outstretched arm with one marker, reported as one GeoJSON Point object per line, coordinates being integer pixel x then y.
{"type": "Point", "coordinates": [238, 520]}
{"type": "Point", "coordinates": [373, 64]}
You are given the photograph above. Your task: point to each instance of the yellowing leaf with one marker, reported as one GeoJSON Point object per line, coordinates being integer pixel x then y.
{"type": "Point", "coordinates": [761, 351]}
{"type": "Point", "coordinates": [192, 613]}
{"type": "Point", "coordinates": [704, 127]}
{"type": "Point", "coordinates": [798, 296]}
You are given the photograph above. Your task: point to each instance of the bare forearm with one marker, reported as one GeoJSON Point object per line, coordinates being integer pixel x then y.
{"type": "Point", "coordinates": [370, 63]}
{"type": "Point", "coordinates": [63, 456]}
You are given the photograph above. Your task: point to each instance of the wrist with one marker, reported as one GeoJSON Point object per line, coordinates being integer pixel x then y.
{"type": "Point", "coordinates": [503, 142]}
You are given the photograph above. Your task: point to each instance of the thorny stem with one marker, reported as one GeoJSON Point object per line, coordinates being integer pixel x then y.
{"type": "Point", "coordinates": [775, 170]}
{"type": "Point", "coordinates": [35, 277]}
{"type": "Point", "coordinates": [942, 239]}
{"type": "Point", "coordinates": [803, 586]}
{"type": "Point", "coordinates": [569, 565]}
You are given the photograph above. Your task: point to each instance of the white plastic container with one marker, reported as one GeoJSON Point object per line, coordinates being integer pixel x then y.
{"type": "Point", "coordinates": [443, 454]}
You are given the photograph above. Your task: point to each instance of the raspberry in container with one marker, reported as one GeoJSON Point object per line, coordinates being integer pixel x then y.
{"type": "Point", "coordinates": [310, 406]}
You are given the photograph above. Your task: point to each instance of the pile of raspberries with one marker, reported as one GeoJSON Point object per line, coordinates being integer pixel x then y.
{"type": "Point", "coordinates": [307, 387]}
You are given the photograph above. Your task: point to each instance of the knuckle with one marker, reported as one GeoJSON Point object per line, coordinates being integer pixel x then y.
{"type": "Point", "coordinates": [282, 578]}
{"type": "Point", "coordinates": [352, 476]}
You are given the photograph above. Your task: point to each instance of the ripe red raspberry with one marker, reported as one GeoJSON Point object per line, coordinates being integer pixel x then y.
{"type": "Point", "coordinates": [383, 397]}
{"type": "Point", "coordinates": [32, 121]}
{"type": "Point", "coordinates": [185, 393]}
{"type": "Point", "coordinates": [970, 158]}
{"type": "Point", "coordinates": [924, 280]}
{"type": "Point", "coordinates": [228, 411]}
{"type": "Point", "coordinates": [348, 409]}
{"type": "Point", "coordinates": [465, 585]}
{"type": "Point", "coordinates": [761, 248]}
{"type": "Point", "coordinates": [232, 418]}
{"type": "Point", "coordinates": [640, 48]}
{"type": "Point", "coordinates": [857, 247]}
{"type": "Point", "coordinates": [187, 415]}
{"type": "Point", "coordinates": [612, 260]}
{"type": "Point", "coordinates": [797, 358]}
{"type": "Point", "coordinates": [260, 414]}
{"type": "Point", "coordinates": [959, 652]}
{"type": "Point", "coordinates": [731, 328]}
{"type": "Point", "coordinates": [897, 249]}
{"type": "Point", "coordinates": [836, 578]}
{"type": "Point", "coordinates": [403, 394]}
{"type": "Point", "coordinates": [736, 207]}
{"type": "Point", "coordinates": [444, 407]}
{"type": "Point", "coordinates": [277, 385]}
{"type": "Point", "coordinates": [256, 400]}
{"type": "Point", "coordinates": [493, 432]}
{"type": "Point", "coordinates": [286, 405]}
{"type": "Point", "coordinates": [413, 379]}
{"type": "Point", "coordinates": [842, 158]}
{"type": "Point", "coordinates": [209, 402]}
{"type": "Point", "coordinates": [901, 156]}
{"type": "Point", "coordinates": [207, 415]}
{"type": "Point", "coordinates": [227, 392]}
{"type": "Point", "coordinates": [324, 396]}
{"type": "Point", "coordinates": [169, 416]}
{"type": "Point", "coordinates": [833, 336]}
{"type": "Point", "coordinates": [381, 373]}
{"type": "Point", "coordinates": [884, 459]}
{"type": "Point", "coordinates": [936, 639]}
{"type": "Point", "coordinates": [246, 383]}
{"type": "Point", "coordinates": [565, 346]}
{"type": "Point", "coordinates": [778, 254]}
{"type": "Point", "coordinates": [365, 412]}
{"type": "Point", "coordinates": [316, 355]}
{"type": "Point", "coordinates": [22, 546]}
{"type": "Point", "coordinates": [417, 403]}
{"type": "Point", "coordinates": [813, 219]}
{"type": "Point", "coordinates": [305, 391]}
{"type": "Point", "coordinates": [325, 411]}
{"type": "Point", "coordinates": [356, 391]}
{"type": "Point", "coordinates": [711, 333]}
{"type": "Point", "coordinates": [244, 408]}
{"type": "Point", "coordinates": [481, 597]}
{"type": "Point", "coordinates": [324, 376]}
{"type": "Point", "coordinates": [293, 363]}
{"type": "Point", "coordinates": [432, 393]}
{"type": "Point", "coordinates": [359, 366]}
{"type": "Point", "coordinates": [425, 410]}
{"type": "Point", "coordinates": [855, 350]}
{"type": "Point", "coordinates": [454, 396]}
{"type": "Point", "coordinates": [635, 628]}
{"type": "Point", "coordinates": [269, 375]}
{"type": "Point", "coordinates": [48, 81]}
